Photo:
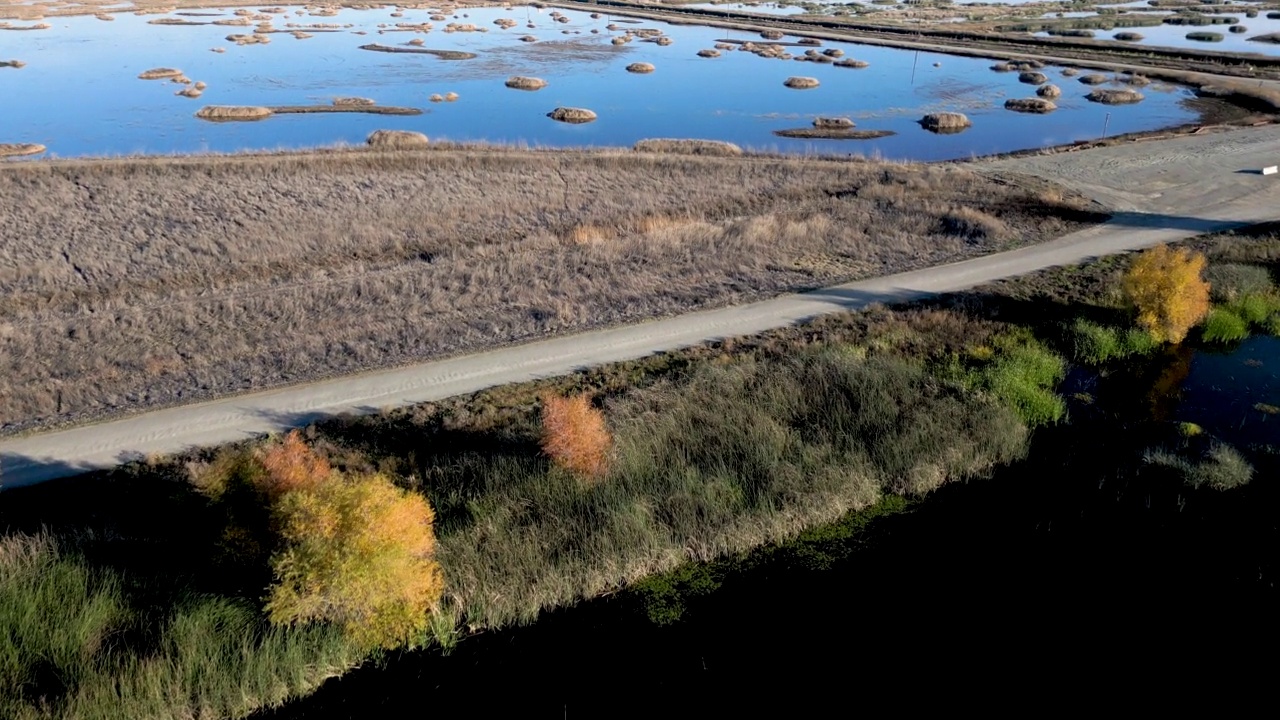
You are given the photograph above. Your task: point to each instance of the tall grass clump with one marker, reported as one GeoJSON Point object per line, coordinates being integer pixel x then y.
{"type": "Point", "coordinates": [1219, 467]}
{"type": "Point", "coordinates": [720, 461]}
{"type": "Point", "coordinates": [1095, 344]}
{"type": "Point", "coordinates": [1256, 309]}
{"type": "Point", "coordinates": [1223, 326]}
{"type": "Point", "coordinates": [1022, 374]}
{"type": "Point", "coordinates": [1231, 281]}
{"type": "Point", "coordinates": [75, 643]}
{"type": "Point", "coordinates": [56, 616]}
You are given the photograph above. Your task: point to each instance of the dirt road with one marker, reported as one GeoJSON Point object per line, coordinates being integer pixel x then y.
{"type": "Point", "coordinates": [1162, 190]}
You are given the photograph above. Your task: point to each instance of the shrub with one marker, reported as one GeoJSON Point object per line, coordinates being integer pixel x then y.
{"type": "Point", "coordinates": [1231, 281]}
{"type": "Point", "coordinates": [1224, 326]}
{"type": "Point", "coordinates": [290, 464]}
{"type": "Point", "coordinates": [574, 435]}
{"type": "Point", "coordinates": [1166, 289]}
{"type": "Point", "coordinates": [357, 552]}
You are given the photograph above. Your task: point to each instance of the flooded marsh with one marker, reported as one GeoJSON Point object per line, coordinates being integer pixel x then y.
{"type": "Point", "coordinates": [740, 95]}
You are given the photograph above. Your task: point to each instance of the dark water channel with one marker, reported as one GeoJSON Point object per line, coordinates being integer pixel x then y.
{"type": "Point", "coordinates": [1071, 576]}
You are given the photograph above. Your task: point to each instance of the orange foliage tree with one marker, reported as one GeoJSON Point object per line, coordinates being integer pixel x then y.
{"type": "Point", "coordinates": [357, 552]}
{"type": "Point", "coordinates": [291, 464]}
{"type": "Point", "coordinates": [1167, 289]}
{"type": "Point", "coordinates": [574, 435]}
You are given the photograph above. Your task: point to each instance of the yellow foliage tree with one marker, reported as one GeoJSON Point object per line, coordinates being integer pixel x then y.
{"type": "Point", "coordinates": [1167, 289]}
{"type": "Point", "coordinates": [574, 435]}
{"type": "Point", "coordinates": [357, 552]}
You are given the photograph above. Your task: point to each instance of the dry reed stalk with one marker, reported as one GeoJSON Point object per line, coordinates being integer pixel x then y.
{"type": "Point", "coordinates": [572, 115]}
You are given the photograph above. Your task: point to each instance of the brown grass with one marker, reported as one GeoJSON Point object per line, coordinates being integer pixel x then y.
{"type": "Point", "coordinates": [833, 122]}
{"type": "Point", "coordinates": [1129, 36]}
{"type": "Point", "coordinates": [190, 92]}
{"type": "Point", "coordinates": [816, 133]}
{"type": "Point", "coordinates": [945, 122]}
{"type": "Point", "coordinates": [159, 74]}
{"type": "Point", "coordinates": [1050, 92]}
{"type": "Point", "coordinates": [572, 115]}
{"type": "Point", "coordinates": [1033, 78]}
{"type": "Point", "coordinates": [397, 139]}
{"type": "Point", "coordinates": [135, 283]}
{"type": "Point", "coordinates": [1107, 96]}
{"type": "Point", "coordinates": [353, 102]}
{"type": "Point", "coordinates": [19, 149]}
{"type": "Point", "coordinates": [1094, 79]}
{"type": "Point", "coordinates": [520, 82]}
{"type": "Point", "coordinates": [364, 109]}
{"type": "Point", "coordinates": [640, 68]}
{"type": "Point", "coordinates": [679, 146]}
{"type": "Point", "coordinates": [442, 54]}
{"type": "Point", "coordinates": [851, 63]}
{"type": "Point", "coordinates": [224, 113]}
{"type": "Point", "coordinates": [1038, 106]}
{"type": "Point", "coordinates": [801, 83]}
{"type": "Point", "coordinates": [709, 53]}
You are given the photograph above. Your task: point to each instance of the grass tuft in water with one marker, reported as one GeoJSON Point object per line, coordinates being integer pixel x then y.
{"type": "Point", "coordinates": [1224, 326]}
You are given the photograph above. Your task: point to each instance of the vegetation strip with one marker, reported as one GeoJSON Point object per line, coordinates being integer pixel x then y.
{"type": "Point", "coordinates": [545, 494]}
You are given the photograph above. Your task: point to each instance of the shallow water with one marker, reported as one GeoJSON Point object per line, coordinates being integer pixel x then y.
{"type": "Point", "coordinates": [1234, 394]}
{"type": "Point", "coordinates": [1176, 35]}
{"type": "Point", "coordinates": [80, 95]}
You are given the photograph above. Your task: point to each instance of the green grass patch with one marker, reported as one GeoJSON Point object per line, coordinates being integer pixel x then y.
{"type": "Point", "coordinates": [1095, 344]}
{"type": "Point", "coordinates": [1256, 309]}
{"type": "Point", "coordinates": [1223, 326]}
{"type": "Point", "coordinates": [1022, 373]}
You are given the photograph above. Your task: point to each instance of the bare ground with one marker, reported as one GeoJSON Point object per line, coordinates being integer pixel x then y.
{"type": "Point", "coordinates": [131, 284]}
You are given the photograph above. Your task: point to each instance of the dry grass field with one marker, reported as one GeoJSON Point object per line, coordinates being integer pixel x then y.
{"type": "Point", "coordinates": [128, 284]}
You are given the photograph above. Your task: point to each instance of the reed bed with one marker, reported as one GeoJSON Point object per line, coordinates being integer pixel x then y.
{"type": "Point", "coordinates": [246, 285]}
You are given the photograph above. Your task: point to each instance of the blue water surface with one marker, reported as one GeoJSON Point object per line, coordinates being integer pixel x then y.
{"type": "Point", "coordinates": [80, 95]}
